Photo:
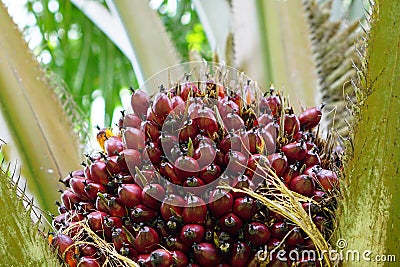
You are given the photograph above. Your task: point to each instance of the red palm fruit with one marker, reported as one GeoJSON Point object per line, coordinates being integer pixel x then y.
{"type": "Point", "coordinates": [240, 254]}
{"type": "Point", "coordinates": [173, 242]}
{"type": "Point", "coordinates": [291, 172]}
{"type": "Point", "coordinates": [188, 88]}
{"type": "Point", "coordinates": [172, 204]}
{"type": "Point", "coordinates": [120, 238]}
{"type": "Point", "coordinates": [242, 182]}
{"type": "Point", "coordinates": [109, 224]}
{"type": "Point", "coordinates": [153, 152]}
{"type": "Point", "coordinates": [87, 249]}
{"type": "Point", "coordinates": [303, 184]}
{"type": "Point", "coordinates": [151, 116]}
{"type": "Point", "coordinates": [130, 194]}
{"type": "Point", "coordinates": [175, 153]}
{"type": "Point", "coordinates": [204, 154]}
{"type": "Point", "coordinates": [167, 141]}
{"type": "Point", "coordinates": [96, 220]}
{"type": "Point", "coordinates": [113, 145]}
{"type": "Point", "coordinates": [321, 223]}
{"type": "Point", "coordinates": [312, 158]}
{"type": "Point", "coordinates": [227, 107]}
{"type": "Point", "coordinates": [151, 130]}
{"type": "Point", "coordinates": [278, 163]}
{"type": "Point", "coordinates": [65, 248]}
{"type": "Point", "coordinates": [69, 199]}
{"type": "Point", "coordinates": [220, 202]}
{"type": "Point", "coordinates": [295, 151]}
{"type": "Point", "coordinates": [188, 130]}
{"type": "Point", "coordinates": [310, 117]}
{"type": "Point", "coordinates": [146, 240]}
{"type": "Point", "coordinates": [205, 120]}
{"type": "Point", "coordinates": [202, 139]}
{"type": "Point", "coordinates": [194, 105]}
{"type": "Point", "coordinates": [91, 189]}
{"type": "Point", "coordinates": [142, 213]}
{"type": "Point", "coordinates": [161, 258]}
{"type": "Point", "coordinates": [191, 233]}
{"type": "Point", "coordinates": [210, 173]}
{"type": "Point", "coordinates": [78, 187]}
{"type": "Point", "coordinates": [279, 229]}
{"type": "Point", "coordinates": [206, 254]}
{"type": "Point", "coordinates": [291, 125]}
{"type": "Point", "coordinates": [276, 217]}
{"type": "Point", "coordinates": [153, 194]}
{"type": "Point", "coordinates": [180, 259]}
{"type": "Point", "coordinates": [168, 171]}
{"type": "Point", "coordinates": [311, 208]}
{"type": "Point", "coordinates": [162, 105]}
{"type": "Point", "coordinates": [327, 179]}
{"type": "Point", "coordinates": [195, 210]}
{"type": "Point", "coordinates": [233, 121]}
{"type": "Point", "coordinates": [129, 252]}
{"type": "Point", "coordinates": [257, 234]}
{"type": "Point", "coordinates": [264, 119]}
{"type": "Point", "coordinates": [77, 173]}
{"type": "Point", "coordinates": [186, 166]}
{"type": "Point", "coordinates": [115, 207]}
{"type": "Point", "coordinates": [220, 158]}
{"type": "Point", "coordinates": [192, 185]}
{"type": "Point", "coordinates": [245, 207]}
{"type": "Point", "coordinates": [112, 164]}
{"type": "Point", "coordinates": [256, 164]}
{"type": "Point", "coordinates": [299, 136]}
{"type": "Point", "coordinates": [60, 220]}
{"type": "Point", "coordinates": [295, 237]}
{"type": "Point", "coordinates": [134, 138]}
{"type": "Point", "coordinates": [230, 223]}
{"type": "Point", "coordinates": [70, 175]}
{"type": "Point", "coordinates": [99, 172]}
{"type": "Point", "coordinates": [144, 260]}
{"type": "Point", "coordinates": [236, 162]}
{"type": "Point", "coordinates": [101, 204]}
{"type": "Point", "coordinates": [178, 105]}
{"type": "Point", "coordinates": [274, 243]}
{"type": "Point", "coordinates": [312, 171]}
{"type": "Point", "coordinates": [161, 228]}
{"type": "Point", "coordinates": [129, 120]}
{"type": "Point", "coordinates": [256, 142]}
{"type": "Point", "coordinates": [128, 159]}
{"type": "Point", "coordinates": [231, 142]}
{"type": "Point", "coordinates": [140, 102]}
{"type": "Point", "coordinates": [274, 104]}
{"type": "Point", "coordinates": [269, 133]}
{"type": "Point", "coordinates": [319, 195]}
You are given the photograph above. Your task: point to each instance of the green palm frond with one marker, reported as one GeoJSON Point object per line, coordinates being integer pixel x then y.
{"type": "Point", "coordinates": [37, 131]}
{"type": "Point", "coordinates": [79, 52]}
{"type": "Point", "coordinates": [370, 212]}
{"type": "Point", "coordinates": [22, 243]}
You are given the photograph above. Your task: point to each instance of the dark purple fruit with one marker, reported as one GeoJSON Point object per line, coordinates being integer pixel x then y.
{"type": "Point", "coordinates": [206, 254]}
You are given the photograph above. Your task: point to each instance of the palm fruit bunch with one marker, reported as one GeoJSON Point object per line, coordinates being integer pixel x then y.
{"type": "Point", "coordinates": [202, 174]}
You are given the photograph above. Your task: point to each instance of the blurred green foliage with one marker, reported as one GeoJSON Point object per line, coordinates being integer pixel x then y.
{"type": "Point", "coordinates": [85, 58]}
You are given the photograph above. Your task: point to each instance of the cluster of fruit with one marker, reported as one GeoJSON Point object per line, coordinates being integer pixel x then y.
{"type": "Point", "coordinates": [159, 193]}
